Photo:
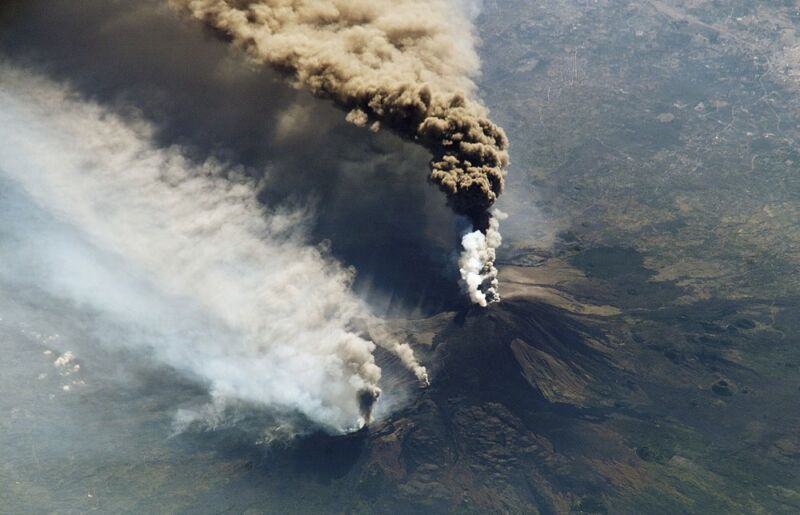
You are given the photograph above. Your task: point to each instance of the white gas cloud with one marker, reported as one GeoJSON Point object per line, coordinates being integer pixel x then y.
{"type": "Point", "coordinates": [476, 264]}
{"type": "Point", "coordinates": [185, 256]}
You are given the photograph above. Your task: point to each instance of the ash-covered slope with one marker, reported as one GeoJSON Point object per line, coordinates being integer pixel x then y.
{"type": "Point", "coordinates": [501, 354]}
{"type": "Point", "coordinates": [512, 422]}
{"type": "Point", "coordinates": [534, 408]}
{"type": "Point", "coordinates": [508, 419]}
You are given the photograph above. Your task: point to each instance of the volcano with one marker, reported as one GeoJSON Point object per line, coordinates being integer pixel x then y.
{"type": "Point", "coordinates": [542, 404]}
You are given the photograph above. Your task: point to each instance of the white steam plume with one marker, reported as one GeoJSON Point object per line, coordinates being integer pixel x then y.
{"type": "Point", "coordinates": [384, 338]}
{"type": "Point", "coordinates": [232, 294]}
{"type": "Point", "coordinates": [478, 272]}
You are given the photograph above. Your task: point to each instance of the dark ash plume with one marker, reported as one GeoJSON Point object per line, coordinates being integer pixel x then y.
{"type": "Point", "coordinates": [400, 64]}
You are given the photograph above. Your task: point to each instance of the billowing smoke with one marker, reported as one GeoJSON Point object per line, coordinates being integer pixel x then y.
{"type": "Point", "coordinates": [478, 273]}
{"type": "Point", "coordinates": [401, 64]}
{"type": "Point", "coordinates": [192, 264]}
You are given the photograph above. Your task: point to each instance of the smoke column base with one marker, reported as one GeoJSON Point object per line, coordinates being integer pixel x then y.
{"type": "Point", "coordinates": [477, 262]}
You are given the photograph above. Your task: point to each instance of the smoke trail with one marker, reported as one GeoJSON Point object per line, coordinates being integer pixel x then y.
{"type": "Point", "coordinates": [260, 316]}
{"type": "Point", "coordinates": [382, 337]}
{"type": "Point", "coordinates": [403, 64]}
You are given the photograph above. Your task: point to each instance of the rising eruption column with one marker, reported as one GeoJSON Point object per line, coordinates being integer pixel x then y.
{"type": "Point", "coordinates": [405, 65]}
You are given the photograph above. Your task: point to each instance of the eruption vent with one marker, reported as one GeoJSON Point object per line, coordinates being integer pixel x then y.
{"type": "Point", "coordinates": [401, 64]}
